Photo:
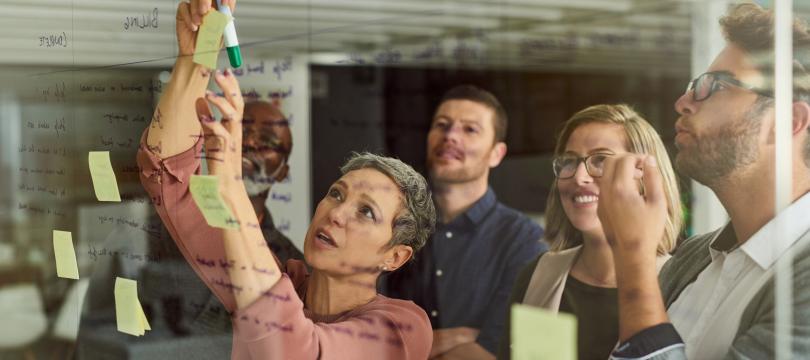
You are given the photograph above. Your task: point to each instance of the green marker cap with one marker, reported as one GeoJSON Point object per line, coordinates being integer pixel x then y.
{"type": "Point", "coordinates": [235, 56]}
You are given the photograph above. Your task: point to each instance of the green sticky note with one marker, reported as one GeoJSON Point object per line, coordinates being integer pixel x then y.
{"type": "Point", "coordinates": [208, 38]}
{"type": "Point", "coordinates": [129, 316]}
{"type": "Point", "coordinates": [539, 334]}
{"type": "Point", "coordinates": [205, 192]}
{"type": "Point", "coordinates": [103, 176]}
{"type": "Point", "coordinates": [65, 255]}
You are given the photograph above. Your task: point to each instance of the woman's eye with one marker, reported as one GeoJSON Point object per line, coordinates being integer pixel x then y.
{"type": "Point", "coordinates": [367, 212]}
{"type": "Point", "coordinates": [335, 193]}
{"type": "Point", "coordinates": [599, 159]}
{"type": "Point", "coordinates": [470, 130]}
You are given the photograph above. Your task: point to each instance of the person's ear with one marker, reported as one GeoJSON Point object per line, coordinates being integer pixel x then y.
{"type": "Point", "coordinates": [801, 117]}
{"type": "Point", "coordinates": [397, 256]}
{"type": "Point", "coordinates": [497, 153]}
{"type": "Point", "coordinates": [801, 120]}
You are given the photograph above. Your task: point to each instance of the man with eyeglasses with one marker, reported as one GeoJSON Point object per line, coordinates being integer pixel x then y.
{"type": "Point", "coordinates": [266, 151]}
{"type": "Point", "coordinates": [716, 297]}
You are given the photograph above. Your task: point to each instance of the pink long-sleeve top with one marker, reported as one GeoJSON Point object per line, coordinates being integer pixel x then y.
{"type": "Point", "coordinates": [277, 326]}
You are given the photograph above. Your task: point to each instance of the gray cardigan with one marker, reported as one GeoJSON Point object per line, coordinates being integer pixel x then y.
{"type": "Point", "coordinates": [755, 336]}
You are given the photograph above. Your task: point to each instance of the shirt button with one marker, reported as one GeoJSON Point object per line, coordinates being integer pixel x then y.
{"type": "Point", "coordinates": [434, 313]}
{"type": "Point", "coordinates": [439, 272]}
{"type": "Point", "coordinates": [448, 234]}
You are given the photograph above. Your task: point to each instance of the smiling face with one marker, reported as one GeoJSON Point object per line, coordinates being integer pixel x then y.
{"type": "Point", "coordinates": [266, 146]}
{"type": "Point", "coordinates": [579, 194]}
{"type": "Point", "coordinates": [353, 224]}
{"type": "Point", "coordinates": [721, 134]}
{"type": "Point", "coordinates": [461, 143]}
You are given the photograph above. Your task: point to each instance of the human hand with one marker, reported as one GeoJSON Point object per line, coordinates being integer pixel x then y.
{"type": "Point", "coordinates": [188, 20]}
{"type": "Point", "coordinates": [632, 204]}
{"type": "Point", "coordinates": [223, 140]}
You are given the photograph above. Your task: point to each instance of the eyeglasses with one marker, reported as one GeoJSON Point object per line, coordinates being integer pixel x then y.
{"type": "Point", "coordinates": [706, 84]}
{"type": "Point", "coordinates": [261, 141]}
{"type": "Point", "coordinates": [565, 166]}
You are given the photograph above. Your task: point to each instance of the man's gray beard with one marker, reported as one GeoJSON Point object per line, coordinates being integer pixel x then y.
{"type": "Point", "coordinates": [715, 156]}
{"type": "Point", "coordinates": [259, 182]}
{"type": "Point", "coordinates": [254, 188]}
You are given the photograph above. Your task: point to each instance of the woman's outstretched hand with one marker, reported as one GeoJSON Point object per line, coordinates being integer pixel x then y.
{"type": "Point", "coordinates": [223, 140]}
{"type": "Point", "coordinates": [257, 270]}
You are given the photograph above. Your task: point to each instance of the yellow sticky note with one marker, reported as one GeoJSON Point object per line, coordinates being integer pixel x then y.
{"type": "Point", "coordinates": [65, 255]}
{"type": "Point", "coordinates": [205, 192]}
{"type": "Point", "coordinates": [144, 321]}
{"type": "Point", "coordinates": [129, 315]}
{"type": "Point", "coordinates": [540, 334]}
{"type": "Point", "coordinates": [103, 176]}
{"type": "Point", "coordinates": [208, 38]}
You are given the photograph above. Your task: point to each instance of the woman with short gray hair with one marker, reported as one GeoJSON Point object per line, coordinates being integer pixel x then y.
{"type": "Point", "coordinates": [415, 223]}
{"type": "Point", "coordinates": [370, 221]}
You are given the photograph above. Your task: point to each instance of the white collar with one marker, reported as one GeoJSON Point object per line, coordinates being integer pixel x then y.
{"type": "Point", "coordinates": [765, 247]}
{"type": "Point", "coordinates": [713, 252]}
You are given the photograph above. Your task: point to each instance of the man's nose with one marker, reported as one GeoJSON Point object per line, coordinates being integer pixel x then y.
{"type": "Point", "coordinates": [685, 105]}
{"type": "Point", "coordinates": [452, 133]}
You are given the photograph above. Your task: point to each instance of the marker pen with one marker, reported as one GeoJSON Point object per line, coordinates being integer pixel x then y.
{"type": "Point", "coordinates": [231, 42]}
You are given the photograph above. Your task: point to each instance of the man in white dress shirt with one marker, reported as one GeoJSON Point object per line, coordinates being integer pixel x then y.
{"type": "Point", "coordinates": [716, 295]}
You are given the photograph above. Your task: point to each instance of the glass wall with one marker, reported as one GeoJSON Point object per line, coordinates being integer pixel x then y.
{"type": "Point", "coordinates": [85, 77]}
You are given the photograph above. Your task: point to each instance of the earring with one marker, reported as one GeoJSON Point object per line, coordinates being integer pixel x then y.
{"type": "Point", "coordinates": [383, 268]}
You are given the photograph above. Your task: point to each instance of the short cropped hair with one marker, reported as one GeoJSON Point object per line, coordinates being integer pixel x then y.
{"type": "Point", "coordinates": [751, 28]}
{"type": "Point", "coordinates": [641, 139]}
{"type": "Point", "coordinates": [483, 97]}
{"type": "Point", "coordinates": [416, 221]}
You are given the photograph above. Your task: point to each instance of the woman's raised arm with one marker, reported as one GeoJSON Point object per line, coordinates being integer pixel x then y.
{"type": "Point", "coordinates": [174, 127]}
{"type": "Point", "coordinates": [254, 269]}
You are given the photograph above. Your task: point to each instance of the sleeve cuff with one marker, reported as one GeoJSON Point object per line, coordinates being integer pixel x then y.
{"type": "Point", "coordinates": [180, 166]}
{"type": "Point", "coordinates": [649, 341]}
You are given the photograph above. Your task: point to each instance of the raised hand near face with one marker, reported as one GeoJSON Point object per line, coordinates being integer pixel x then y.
{"type": "Point", "coordinates": [223, 153]}
{"type": "Point", "coordinates": [632, 204]}
{"type": "Point", "coordinates": [223, 140]}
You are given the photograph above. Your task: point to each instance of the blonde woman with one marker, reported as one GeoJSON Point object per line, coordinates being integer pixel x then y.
{"type": "Point", "coordinates": [577, 275]}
